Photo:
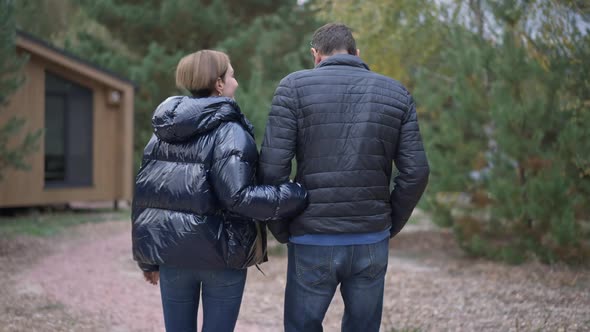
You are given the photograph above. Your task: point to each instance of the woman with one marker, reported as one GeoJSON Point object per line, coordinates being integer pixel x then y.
{"type": "Point", "coordinates": [195, 199]}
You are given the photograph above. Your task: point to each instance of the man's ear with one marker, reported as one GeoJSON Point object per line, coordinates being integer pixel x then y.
{"type": "Point", "coordinates": [358, 52]}
{"type": "Point", "coordinates": [317, 58]}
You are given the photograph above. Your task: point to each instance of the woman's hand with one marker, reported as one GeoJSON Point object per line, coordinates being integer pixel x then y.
{"type": "Point", "coordinates": [152, 277]}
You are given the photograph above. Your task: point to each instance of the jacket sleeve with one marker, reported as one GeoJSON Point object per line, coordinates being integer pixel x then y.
{"type": "Point", "coordinates": [410, 159]}
{"type": "Point", "coordinates": [136, 211]}
{"type": "Point", "coordinates": [280, 137]}
{"type": "Point", "coordinates": [233, 179]}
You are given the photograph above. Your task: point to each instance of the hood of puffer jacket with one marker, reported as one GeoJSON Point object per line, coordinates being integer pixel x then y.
{"type": "Point", "coordinates": [179, 118]}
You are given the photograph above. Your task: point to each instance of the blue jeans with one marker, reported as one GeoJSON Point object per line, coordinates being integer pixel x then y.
{"type": "Point", "coordinates": [313, 274]}
{"type": "Point", "coordinates": [222, 297]}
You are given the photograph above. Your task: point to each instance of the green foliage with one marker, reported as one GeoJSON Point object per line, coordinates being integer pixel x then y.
{"type": "Point", "coordinates": [144, 40]}
{"type": "Point", "coordinates": [509, 121]}
{"type": "Point", "coordinates": [264, 52]}
{"type": "Point", "coordinates": [10, 64]}
{"type": "Point", "coordinates": [43, 18]}
{"type": "Point", "coordinates": [394, 37]}
{"type": "Point", "coordinates": [503, 98]}
{"type": "Point", "coordinates": [14, 156]}
{"type": "Point", "coordinates": [13, 147]}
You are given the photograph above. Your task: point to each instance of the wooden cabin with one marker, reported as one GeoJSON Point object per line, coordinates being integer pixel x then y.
{"type": "Point", "coordinates": [86, 150]}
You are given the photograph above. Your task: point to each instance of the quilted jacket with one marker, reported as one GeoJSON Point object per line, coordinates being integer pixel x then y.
{"type": "Point", "coordinates": [346, 126]}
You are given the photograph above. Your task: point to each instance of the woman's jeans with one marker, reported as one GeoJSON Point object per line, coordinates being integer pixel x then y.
{"type": "Point", "coordinates": [222, 295]}
{"type": "Point", "coordinates": [313, 274]}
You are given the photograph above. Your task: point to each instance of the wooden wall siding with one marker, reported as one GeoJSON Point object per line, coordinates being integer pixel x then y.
{"type": "Point", "coordinates": [112, 139]}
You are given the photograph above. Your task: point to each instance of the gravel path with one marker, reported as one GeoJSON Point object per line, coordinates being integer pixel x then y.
{"type": "Point", "coordinates": [86, 281]}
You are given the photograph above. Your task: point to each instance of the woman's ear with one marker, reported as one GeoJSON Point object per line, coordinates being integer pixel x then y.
{"type": "Point", "coordinates": [219, 86]}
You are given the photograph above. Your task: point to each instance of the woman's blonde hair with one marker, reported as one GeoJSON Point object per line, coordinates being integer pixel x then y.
{"type": "Point", "coordinates": [198, 72]}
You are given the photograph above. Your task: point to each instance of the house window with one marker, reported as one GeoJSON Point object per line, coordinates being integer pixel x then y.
{"type": "Point", "coordinates": [68, 133]}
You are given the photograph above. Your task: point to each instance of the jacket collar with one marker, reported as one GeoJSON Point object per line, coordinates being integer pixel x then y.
{"type": "Point", "coordinates": [343, 60]}
{"type": "Point", "coordinates": [179, 118]}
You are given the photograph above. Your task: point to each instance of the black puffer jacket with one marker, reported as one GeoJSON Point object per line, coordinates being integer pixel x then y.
{"type": "Point", "coordinates": [345, 125]}
{"type": "Point", "coordinates": [195, 191]}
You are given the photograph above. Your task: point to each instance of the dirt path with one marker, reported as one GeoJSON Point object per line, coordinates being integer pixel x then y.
{"type": "Point", "coordinates": [86, 281]}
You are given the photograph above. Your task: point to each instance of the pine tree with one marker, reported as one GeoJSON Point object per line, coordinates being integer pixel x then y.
{"type": "Point", "coordinates": [263, 38]}
{"type": "Point", "coordinates": [143, 41]}
{"type": "Point", "coordinates": [503, 96]}
{"type": "Point", "coordinates": [507, 128]}
{"type": "Point", "coordinates": [12, 154]}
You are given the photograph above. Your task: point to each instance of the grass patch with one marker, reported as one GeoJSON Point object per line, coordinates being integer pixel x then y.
{"type": "Point", "coordinates": [277, 250]}
{"type": "Point", "coordinates": [52, 223]}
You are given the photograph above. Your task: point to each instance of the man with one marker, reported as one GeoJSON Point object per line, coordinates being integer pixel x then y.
{"type": "Point", "coordinates": [345, 125]}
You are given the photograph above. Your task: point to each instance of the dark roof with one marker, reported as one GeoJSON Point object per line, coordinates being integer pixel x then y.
{"type": "Point", "coordinates": [41, 42]}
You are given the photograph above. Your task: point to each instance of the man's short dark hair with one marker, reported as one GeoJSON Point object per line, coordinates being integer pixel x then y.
{"type": "Point", "coordinates": [333, 37]}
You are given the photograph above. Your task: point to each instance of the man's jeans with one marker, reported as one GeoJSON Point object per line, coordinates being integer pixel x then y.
{"type": "Point", "coordinates": [222, 296]}
{"type": "Point", "coordinates": [313, 274]}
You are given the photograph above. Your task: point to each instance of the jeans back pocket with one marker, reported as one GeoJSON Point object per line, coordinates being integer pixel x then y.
{"type": "Point", "coordinates": [379, 258]}
{"type": "Point", "coordinates": [313, 264]}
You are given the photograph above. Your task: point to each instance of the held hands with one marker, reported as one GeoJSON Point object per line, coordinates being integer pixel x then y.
{"type": "Point", "coordinates": [152, 277]}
